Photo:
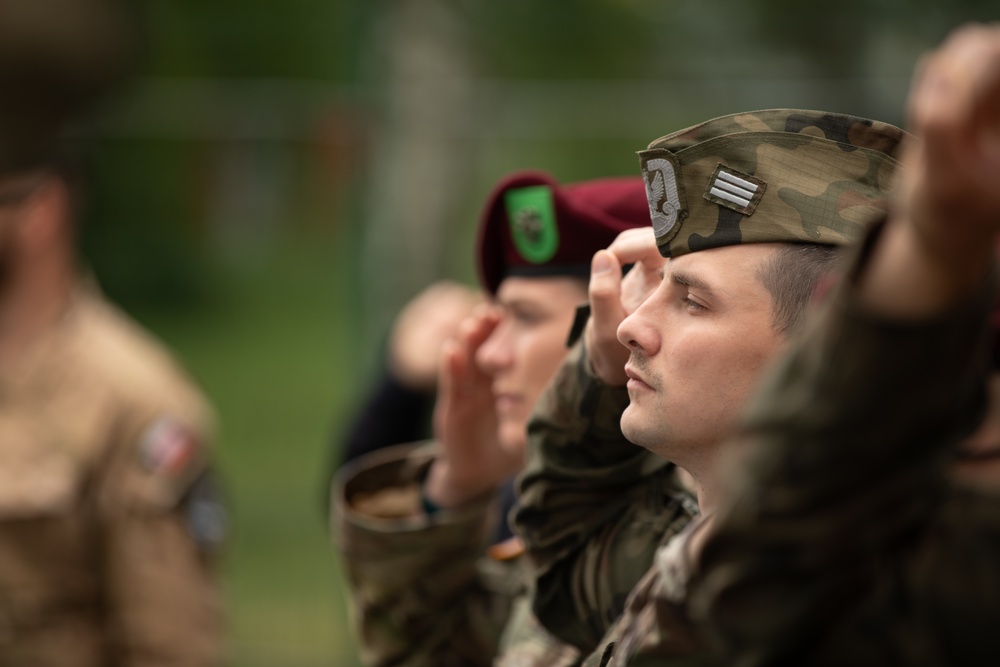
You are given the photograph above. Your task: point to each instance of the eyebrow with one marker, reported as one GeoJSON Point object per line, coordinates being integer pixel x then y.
{"type": "Point", "coordinates": [687, 280]}
{"type": "Point", "coordinates": [522, 303]}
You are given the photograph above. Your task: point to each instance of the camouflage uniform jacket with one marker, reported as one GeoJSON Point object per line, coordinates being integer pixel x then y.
{"type": "Point", "coordinates": [655, 628]}
{"type": "Point", "coordinates": [106, 516]}
{"type": "Point", "coordinates": [852, 541]}
{"type": "Point", "coordinates": [592, 507]}
{"type": "Point", "coordinates": [431, 590]}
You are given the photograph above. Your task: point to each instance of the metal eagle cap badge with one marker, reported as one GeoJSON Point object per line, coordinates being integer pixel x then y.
{"type": "Point", "coordinates": [665, 193]}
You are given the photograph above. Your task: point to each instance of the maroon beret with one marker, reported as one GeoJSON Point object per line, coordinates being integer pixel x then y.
{"type": "Point", "coordinates": [533, 226]}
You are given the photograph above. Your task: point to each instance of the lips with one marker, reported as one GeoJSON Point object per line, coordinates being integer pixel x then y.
{"type": "Point", "coordinates": [635, 380]}
{"type": "Point", "coordinates": [506, 402]}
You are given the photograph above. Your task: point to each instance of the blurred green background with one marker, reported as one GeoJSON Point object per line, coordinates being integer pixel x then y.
{"type": "Point", "coordinates": [284, 174]}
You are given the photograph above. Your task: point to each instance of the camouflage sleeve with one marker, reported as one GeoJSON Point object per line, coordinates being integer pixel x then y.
{"type": "Point", "coordinates": [422, 590]}
{"type": "Point", "coordinates": [526, 643]}
{"type": "Point", "coordinates": [592, 506]}
{"type": "Point", "coordinates": [162, 523]}
{"type": "Point", "coordinates": [834, 476]}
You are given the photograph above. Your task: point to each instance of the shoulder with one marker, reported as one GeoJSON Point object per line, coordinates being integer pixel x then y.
{"type": "Point", "coordinates": [128, 361]}
{"type": "Point", "coordinates": [161, 425]}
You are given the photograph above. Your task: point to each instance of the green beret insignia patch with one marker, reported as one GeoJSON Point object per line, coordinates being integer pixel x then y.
{"type": "Point", "coordinates": [532, 218]}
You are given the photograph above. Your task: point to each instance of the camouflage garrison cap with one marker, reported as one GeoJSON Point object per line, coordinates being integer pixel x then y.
{"type": "Point", "coordinates": [533, 226]}
{"type": "Point", "coordinates": [57, 57]}
{"type": "Point", "coordinates": [777, 175]}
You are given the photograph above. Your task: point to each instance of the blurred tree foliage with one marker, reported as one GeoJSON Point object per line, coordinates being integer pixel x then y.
{"type": "Point", "coordinates": [147, 224]}
{"type": "Point", "coordinates": [278, 102]}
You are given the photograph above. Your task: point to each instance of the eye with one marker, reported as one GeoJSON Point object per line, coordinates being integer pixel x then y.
{"type": "Point", "coordinates": [692, 305]}
{"type": "Point", "coordinates": [525, 316]}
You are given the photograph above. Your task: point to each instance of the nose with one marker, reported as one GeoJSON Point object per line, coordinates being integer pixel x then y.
{"type": "Point", "coordinates": [639, 331]}
{"type": "Point", "coordinates": [496, 353]}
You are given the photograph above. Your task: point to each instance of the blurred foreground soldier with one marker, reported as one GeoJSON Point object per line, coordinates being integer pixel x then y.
{"type": "Point", "coordinates": [433, 580]}
{"type": "Point", "coordinates": [751, 210]}
{"type": "Point", "coordinates": [108, 516]}
{"type": "Point", "coordinates": [868, 529]}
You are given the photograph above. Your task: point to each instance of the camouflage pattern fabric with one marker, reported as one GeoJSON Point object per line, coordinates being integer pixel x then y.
{"type": "Point", "coordinates": [777, 175]}
{"type": "Point", "coordinates": [425, 590]}
{"type": "Point", "coordinates": [592, 507]}
{"type": "Point", "coordinates": [849, 543]}
{"type": "Point", "coordinates": [526, 643]}
{"type": "Point", "coordinates": [655, 628]}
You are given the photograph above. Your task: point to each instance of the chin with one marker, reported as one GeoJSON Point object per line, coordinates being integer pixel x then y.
{"type": "Point", "coordinates": [628, 424]}
{"type": "Point", "coordinates": [633, 429]}
{"type": "Point", "coordinates": [513, 436]}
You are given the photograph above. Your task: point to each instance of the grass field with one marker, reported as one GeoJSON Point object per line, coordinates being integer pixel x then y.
{"type": "Point", "coordinates": [273, 351]}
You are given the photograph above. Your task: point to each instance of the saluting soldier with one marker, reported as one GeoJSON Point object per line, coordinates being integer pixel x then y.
{"type": "Point", "coordinates": [752, 210]}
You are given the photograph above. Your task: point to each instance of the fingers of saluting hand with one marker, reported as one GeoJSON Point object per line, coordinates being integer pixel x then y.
{"type": "Point", "coordinates": [607, 355]}
{"type": "Point", "coordinates": [636, 245]}
{"type": "Point", "coordinates": [459, 372]}
{"type": "Point", "coordinates": [948, 186]}
{"type": "Point", "coordinates": [955, 102]}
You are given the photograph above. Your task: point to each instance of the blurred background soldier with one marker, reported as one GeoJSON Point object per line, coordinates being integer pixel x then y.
{"type": "Point", "coordinates": [108, 516]}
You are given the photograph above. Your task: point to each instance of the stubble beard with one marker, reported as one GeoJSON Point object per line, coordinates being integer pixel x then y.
{"type": "Point", "coordinates": [638, 421]}
{"type": "Point", "coordinates": [642, 365]}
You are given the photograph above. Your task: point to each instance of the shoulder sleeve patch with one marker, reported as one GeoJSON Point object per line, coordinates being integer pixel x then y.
{"type": "Point", "coordinates": [167, 448]}
{"type": "Point", "coordinates": [166, 461]}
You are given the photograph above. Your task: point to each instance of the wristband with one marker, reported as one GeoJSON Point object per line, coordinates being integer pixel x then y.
{"type": "Point", "coordinates": [430, 509]}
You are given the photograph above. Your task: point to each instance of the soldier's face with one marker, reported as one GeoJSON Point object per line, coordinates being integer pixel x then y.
{"type": "Point", "coordinates": [18, 198]}
{"type": "Point", "coordinates": [698, 344]}
{"type": "Point", "coordinates": [526, 348]}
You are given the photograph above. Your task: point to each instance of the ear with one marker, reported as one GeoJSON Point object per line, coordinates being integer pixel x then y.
{"type": "Point", "coordinates": [824, 286]}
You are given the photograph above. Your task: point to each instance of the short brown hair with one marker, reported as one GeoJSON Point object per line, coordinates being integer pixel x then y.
{"type": "Point", "coordinates": [791, 275]}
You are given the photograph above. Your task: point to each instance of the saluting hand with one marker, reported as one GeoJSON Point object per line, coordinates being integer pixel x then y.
{"type": "Point", "coordinates": [421, 329]}
{"type": "Point", "coordinates": [613, 298]}
{"type": "Point", "coordinates": [465, 421]}
{"type": "Point", "coordinates": [952, 181]}
{"type": "Point", "coordinates": [940, 242]}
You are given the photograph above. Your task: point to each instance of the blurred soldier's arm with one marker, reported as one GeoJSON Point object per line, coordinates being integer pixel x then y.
{"type": "Point", "coordinates": [421, 589]}
{"type": "Point", "coordinates": [162, 522]}
{"type": "Point", "coordinates": [426, 588]}
{"type": "Point", "coordinates": [592, 506]}
{"type": "Point", "coordinates": [847, 537]}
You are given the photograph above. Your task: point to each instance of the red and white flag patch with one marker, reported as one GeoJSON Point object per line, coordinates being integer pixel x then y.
{"type": "Point", "coordinates": [167, 447]}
